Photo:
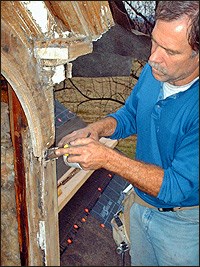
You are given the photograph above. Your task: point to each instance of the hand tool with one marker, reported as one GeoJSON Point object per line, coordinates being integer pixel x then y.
{"type": "Point", "coordinates": [50, 153]}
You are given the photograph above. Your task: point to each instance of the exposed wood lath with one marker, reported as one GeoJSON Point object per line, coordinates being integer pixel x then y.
{"type": "Point", "coordinates": [76, 16]}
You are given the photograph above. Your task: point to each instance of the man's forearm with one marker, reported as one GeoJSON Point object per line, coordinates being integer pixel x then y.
{"type": "Point", "coordinates": [146, 177]}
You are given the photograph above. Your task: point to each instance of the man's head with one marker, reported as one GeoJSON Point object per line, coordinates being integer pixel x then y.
{"type": "Point", "coordinates": [175, 42]}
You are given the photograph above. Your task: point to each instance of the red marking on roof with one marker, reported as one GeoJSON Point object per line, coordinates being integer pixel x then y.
{"type": "Point", "coordinates": [69, 241]}
{"type": "Point", "coordinates": [86, 210]}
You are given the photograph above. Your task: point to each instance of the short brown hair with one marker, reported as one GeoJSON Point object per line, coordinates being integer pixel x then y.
{"type": "Point", "coordinates": [173, 10]}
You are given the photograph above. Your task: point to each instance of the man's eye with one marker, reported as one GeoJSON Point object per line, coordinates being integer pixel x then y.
{"type": "Point", "coordinates": [171, 53]}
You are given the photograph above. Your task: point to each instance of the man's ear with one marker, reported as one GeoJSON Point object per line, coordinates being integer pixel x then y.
{"type": "Point", "coordinates": [195, 54]}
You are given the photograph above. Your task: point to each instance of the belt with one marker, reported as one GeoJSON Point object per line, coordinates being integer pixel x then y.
{"type": "Point", "coordinates": [177, 208]}
{"type": "Point", "coordinates": [140, 201]}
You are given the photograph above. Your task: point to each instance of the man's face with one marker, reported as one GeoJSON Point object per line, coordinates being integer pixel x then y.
{"type": "Point", "coordinates": [172, 58]}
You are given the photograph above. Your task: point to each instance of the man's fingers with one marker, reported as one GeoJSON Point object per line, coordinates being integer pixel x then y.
{"type": "Point", "coordinates": [81, 141]}
{"type": "Point", "coordinates": [75, 150]}
{"type": "Point", "coordinates": [82, 133]}
{"type": "Point", "coordinates": [66, 139]}
{"type": "Point", "coordinates": [61, 151]}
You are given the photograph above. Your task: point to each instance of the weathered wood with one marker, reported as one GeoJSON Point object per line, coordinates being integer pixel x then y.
{"type": "Point", "coordinates": [61, 50]}
{"type": "Point", "coordinates": [50, 215]}
{"type": "Point", "coordinates": [67, 190]}
{"type": "Point", "coordinates": [36, 196]}
{"type": "Point", "coordinates": [88, 18]}
{"type": "Point", "coordinates": [20, 69]}
{"type": "Point", "coordinates": [18, 124]}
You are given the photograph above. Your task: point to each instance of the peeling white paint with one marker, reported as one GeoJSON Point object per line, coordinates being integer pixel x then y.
{"type": "Point", "coordinates": [69, 70]}
{"type": "Point", "coordinates": [65, 34]}
{"type": "Point", "coordinates": [105, 21]}
{"type": "Point", "coordinates": [56, 35]}
{"type": "Point", "coordinates": [95, 39]}
{"type": "Point", "coordinates": [104, 10]}
{"type": "Point", "coordinates": [59, 74]}
{"type": "Point", "coordinates": [39, 13]}
{"type": "Point", "coordinates": [47, 68]}
{"type": "Point", "coordinates": [41, 237]}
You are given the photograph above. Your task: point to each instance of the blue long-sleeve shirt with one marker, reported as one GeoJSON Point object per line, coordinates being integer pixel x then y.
{"type": "Point", "coordinates": [167, 136]}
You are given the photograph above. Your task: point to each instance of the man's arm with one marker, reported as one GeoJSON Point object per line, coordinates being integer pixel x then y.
{"type": "Point", "coordinates": [104, 127]}
{"type": "Point", "coordinates": [92, 155]}
{"type": "Point", "coordinates": [147, 177]}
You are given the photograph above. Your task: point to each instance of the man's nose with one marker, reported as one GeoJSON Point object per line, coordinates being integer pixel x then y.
{"type": "Point", "coordinates": [156, 54]}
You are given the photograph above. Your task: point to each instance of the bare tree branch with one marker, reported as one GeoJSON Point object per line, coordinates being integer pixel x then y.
{"type": "Point", "coordinates": [140, 15]}
{"type": "Point", "coordinates": [94, 98]}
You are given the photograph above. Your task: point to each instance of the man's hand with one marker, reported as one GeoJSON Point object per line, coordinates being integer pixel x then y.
{"type": "Point", "coordinates": [104, 127]}
{"type": "Point", "coordinates": [81, 133]}
{"type": "Point", "coordinates": [89, 153]}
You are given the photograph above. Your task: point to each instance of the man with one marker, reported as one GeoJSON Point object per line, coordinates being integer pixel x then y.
{"type": "Point", "coordinates": [163, 111]}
